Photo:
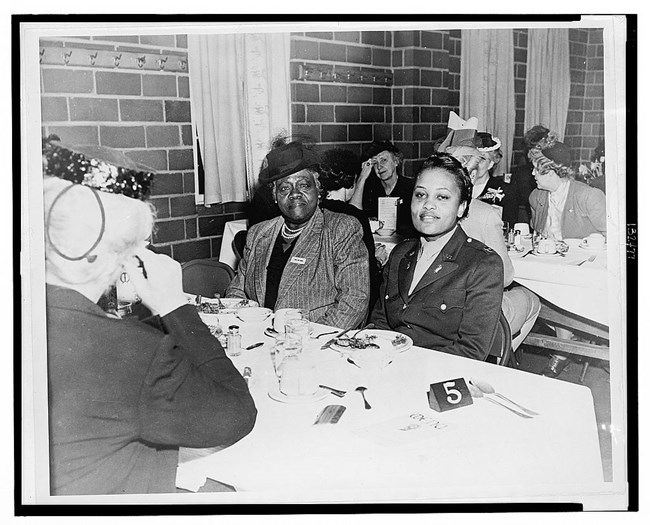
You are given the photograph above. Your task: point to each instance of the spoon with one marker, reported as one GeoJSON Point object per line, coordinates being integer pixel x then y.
{"type": "Point", "coordinates": [487, 388]}
{"type": "Point", "coordinates": [362, 390]}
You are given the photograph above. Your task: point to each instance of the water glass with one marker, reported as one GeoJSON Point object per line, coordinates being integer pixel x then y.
{"type": "Point", "coordinates": [300, 327]}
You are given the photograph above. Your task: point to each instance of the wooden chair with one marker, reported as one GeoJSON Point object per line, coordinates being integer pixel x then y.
{"type": "Point", "coordinates": [206, 277]}
{"type": "Point", "coordinates": [502, 345]}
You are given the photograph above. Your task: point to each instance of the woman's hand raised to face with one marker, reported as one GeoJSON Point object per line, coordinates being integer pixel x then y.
{"type": "Point", "coordinates": [162, 288]}
{"type": "Point", "coordinates": [366, 168]}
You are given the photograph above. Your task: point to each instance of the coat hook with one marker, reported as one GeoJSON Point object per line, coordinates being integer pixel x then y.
{"type": "Point", "coordinates": [161, 63]}
{"type": "Point", "coordinates": [66, 57]}
{"type": "Point", "coordinates": [116, 59]}
{"type": "Point", "coordinates": [42, 54]}
{"type": "Point", "coordinates": [93, 58]}
{"type": "Point", "coordinates": [141, 60]}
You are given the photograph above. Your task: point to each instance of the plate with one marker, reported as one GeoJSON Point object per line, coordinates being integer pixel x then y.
{"type": "Point", "coordinates": [276, 395]}
{"type": "Point", "coordinates": [383, 338]}
{"type": "Point", "coordinates": [556, 254]}
{"type": "Point", "coordinates": [597, 250]}
{"type": "Point", "coordinates": [231, 305]}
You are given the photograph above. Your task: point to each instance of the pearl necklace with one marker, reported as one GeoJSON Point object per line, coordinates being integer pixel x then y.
{"type": "Point", "coordinates": [290, 234]}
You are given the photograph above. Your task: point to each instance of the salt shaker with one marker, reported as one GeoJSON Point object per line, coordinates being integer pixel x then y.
{"type": "Point", "coordinates": [511, 237]}
{"type": "Point", "coordinates": [517, 238]}
{"type": "Point", "coordinates": [234, 341]}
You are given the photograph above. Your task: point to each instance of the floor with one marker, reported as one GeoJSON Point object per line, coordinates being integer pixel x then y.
{"type": "Point", "coordinates": [597, 379]}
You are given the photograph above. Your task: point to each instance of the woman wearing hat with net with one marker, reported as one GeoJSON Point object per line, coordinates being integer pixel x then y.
{"type": "Point", "coordinates": [124, 394]}
{"type": "Point", "coordinates": [561, 206]}
{"type": "Point", "coordinates": [379, 178]}
{"type": "Point", "coordinates": [307, 258]}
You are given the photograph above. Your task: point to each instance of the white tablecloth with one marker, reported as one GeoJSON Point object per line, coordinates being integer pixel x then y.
{"type": "Point", "coordinates": [483, 451]}
{"type": "Point", "coordinates": [581, 290]}
{"type": "Point", "coordinates": [227, 253]}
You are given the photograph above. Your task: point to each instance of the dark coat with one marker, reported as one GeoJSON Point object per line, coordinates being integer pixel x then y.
{"type": "Point", "coordinates": [499, 193]}
{"type": "Point", "coordinates": [123, 396]}
{"type": "Point", "coordinates": [456, 305]}
{"type": "Point", "coordinates": [403, 189]}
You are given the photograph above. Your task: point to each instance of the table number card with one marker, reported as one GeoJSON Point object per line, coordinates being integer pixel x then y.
{"type": "Point", "coordinates": [450, 394]}
{"type": "Point", "coordinates": [387, 211]}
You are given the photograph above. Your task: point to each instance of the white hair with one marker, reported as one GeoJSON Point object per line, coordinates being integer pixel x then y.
{"type": "Point", "coordinates": [74, 224]}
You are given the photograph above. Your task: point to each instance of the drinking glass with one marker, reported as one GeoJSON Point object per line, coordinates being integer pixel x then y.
{"type": "Point", "coordinates": [299, 327]}
{"type": "Point", "coordinates": [291, 315]}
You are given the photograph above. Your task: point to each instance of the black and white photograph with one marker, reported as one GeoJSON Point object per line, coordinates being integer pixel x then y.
{"type": "Point", "coordinates": [327, 261]}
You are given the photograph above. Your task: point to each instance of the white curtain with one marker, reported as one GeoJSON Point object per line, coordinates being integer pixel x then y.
{"type": "Point", "coordinates": [548, 79]}
{"type": "Point", "coordinates": [487, 85]}
{"type": "Point", "coordinates": [240, 99]}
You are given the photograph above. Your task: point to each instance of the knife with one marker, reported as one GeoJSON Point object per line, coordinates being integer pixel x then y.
{"type": "Point", "coordinates": [331, 341]}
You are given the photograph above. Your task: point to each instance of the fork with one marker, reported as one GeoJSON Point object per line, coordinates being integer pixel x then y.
{"type": "Point", "coordinates": [592, 258]}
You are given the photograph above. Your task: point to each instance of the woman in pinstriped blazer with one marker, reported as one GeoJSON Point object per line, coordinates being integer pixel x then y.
{"type": "Point", "coordinates": [307, 258]}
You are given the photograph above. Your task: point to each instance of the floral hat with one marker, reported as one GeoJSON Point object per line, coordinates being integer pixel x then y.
{"type": "Point", "coordinates": [98, 167]}
{"type": "Point", "coordinates": [550, 149]}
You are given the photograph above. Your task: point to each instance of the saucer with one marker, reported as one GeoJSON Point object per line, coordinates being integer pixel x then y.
{"type": "Point", "coordinates": [598, 250]}
{"type": "Point", "coordinates": [275, 394]}
{"type": "Point", "coordinates": [556, 254]}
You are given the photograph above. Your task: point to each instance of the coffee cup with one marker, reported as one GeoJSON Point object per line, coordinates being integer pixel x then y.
{"type": "Point", "coordinates": [385, 232]}
{"type": "Point", "coordinates": [546, 246]}
{"type": "Point", "coordinates": [595, 241]}
{"type": "Point", "coordinates": [376, 225]}
{"type": "Point", "coordinates": [523, 228]}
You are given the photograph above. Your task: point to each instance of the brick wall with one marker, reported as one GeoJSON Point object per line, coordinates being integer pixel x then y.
{"type": "Point", "coordinates": [585, 119]}
{"type": "Point", "coordinates": [520, 39]}
{"type": "Point", "coordinates": [143, 111]}
{"type": "Point", "coordinates": [341, 111]}
{"type": "Point", "coordinates": [585, 122]}
{"type": "Point", "coordinates": [401, 87]}
{"type": "Point", "coordinates": [425, 87]}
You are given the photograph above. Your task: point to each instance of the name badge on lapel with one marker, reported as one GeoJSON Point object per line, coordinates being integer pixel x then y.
{"type": "Point", "coordinates": [298, 260]}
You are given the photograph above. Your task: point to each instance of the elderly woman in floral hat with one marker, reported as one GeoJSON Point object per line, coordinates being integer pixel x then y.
{"type": "Point", "coordinates": [561, 206]}
{"type": "Point", "coordinates": [123, 394]}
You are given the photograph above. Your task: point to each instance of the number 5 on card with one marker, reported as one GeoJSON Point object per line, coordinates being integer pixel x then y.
{"type": "Point", "coordinates": [448, 395]}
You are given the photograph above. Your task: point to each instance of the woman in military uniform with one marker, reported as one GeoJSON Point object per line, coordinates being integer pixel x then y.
{"type": "Point", "coordinates": [442, 289]}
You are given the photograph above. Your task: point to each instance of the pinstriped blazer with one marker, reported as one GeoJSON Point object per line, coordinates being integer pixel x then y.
{"type": "Point", "coordinates": [327, 273]}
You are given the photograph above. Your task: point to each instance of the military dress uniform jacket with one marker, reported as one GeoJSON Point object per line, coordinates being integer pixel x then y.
{"type": "Point", "coordinates": [327, 273]}
{"type": "Point", "coordinates": [456, 305]}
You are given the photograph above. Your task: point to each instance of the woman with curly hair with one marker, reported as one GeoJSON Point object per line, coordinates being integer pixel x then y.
{"type": "Point", "coordinates": [561, 206]}
{"type": "Point", "coordinates": [339, 169]}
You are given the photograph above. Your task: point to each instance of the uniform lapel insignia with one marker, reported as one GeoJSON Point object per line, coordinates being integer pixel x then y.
{"type": "Point", "coordinates": [438, 268]}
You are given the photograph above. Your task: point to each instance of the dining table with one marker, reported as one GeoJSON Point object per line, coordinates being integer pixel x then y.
{"type": "Point", "coordinates": [573, 289]}
{"type": "Point", "coordinates": [401, 449]}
